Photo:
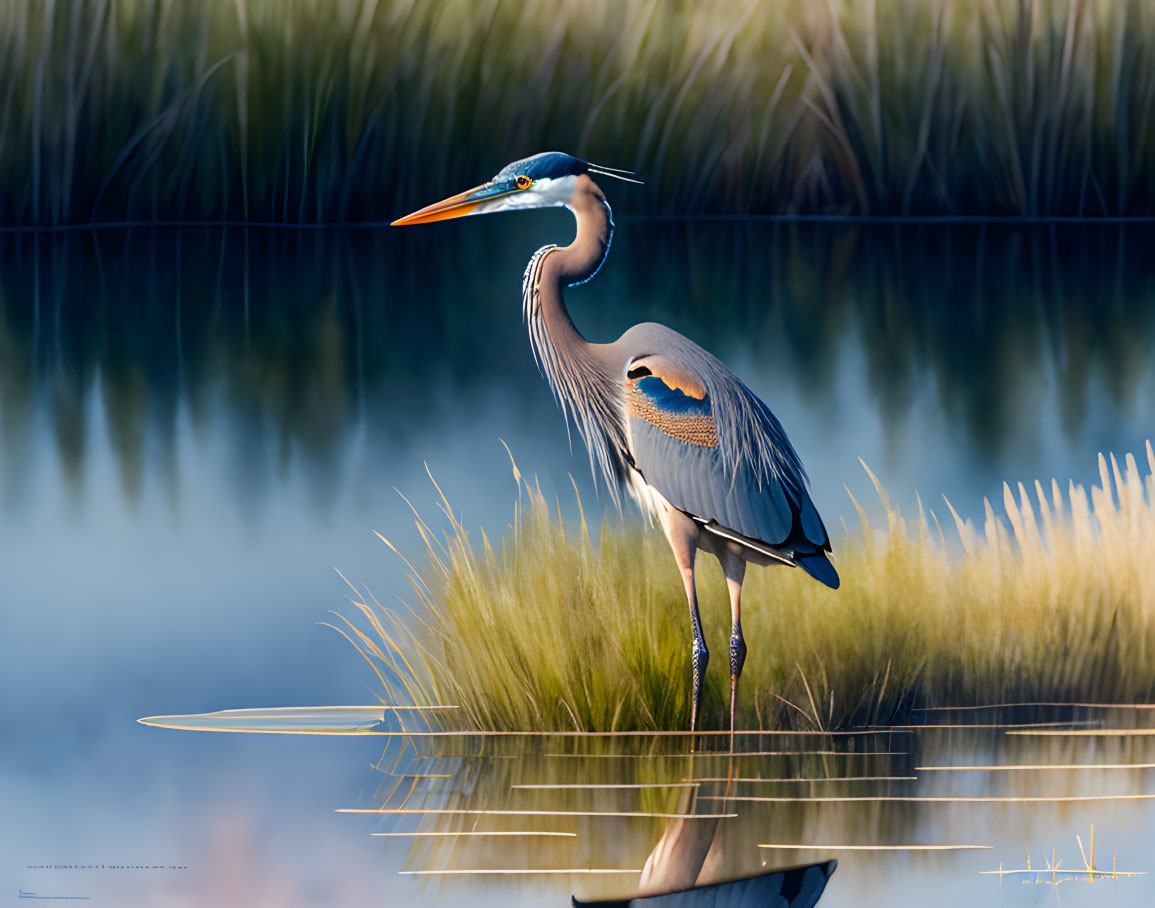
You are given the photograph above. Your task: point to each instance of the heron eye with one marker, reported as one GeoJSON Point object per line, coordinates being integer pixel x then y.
{"type": "Point", "coordinates": [524, 182]}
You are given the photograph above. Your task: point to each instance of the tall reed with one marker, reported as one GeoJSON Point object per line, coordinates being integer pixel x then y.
{"type": "Point", "coordinates": [305, 111]}
{"type": "Point", "coordinates": [1053, 601]}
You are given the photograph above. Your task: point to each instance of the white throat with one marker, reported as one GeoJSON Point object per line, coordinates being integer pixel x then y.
{"type": "Point", "coordinates": [547, 193]}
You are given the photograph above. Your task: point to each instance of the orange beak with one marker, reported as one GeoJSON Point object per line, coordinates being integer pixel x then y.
{"type": "Point", "coordinates": [455, 206]}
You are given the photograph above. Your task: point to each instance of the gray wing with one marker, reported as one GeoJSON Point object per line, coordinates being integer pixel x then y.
{"type": "Point", "coordinates": [715, 451]}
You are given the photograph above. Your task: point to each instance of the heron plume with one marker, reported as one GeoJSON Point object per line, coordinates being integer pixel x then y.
{"type": "Point", "coordinates": [623, 175]}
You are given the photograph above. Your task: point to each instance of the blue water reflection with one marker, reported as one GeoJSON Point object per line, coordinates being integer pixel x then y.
{"type": "Point", "coordinates": [196, 426]}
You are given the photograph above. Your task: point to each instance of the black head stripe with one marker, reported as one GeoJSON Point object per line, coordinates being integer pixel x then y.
{"type": "Point", "coordinates": [545, 166]}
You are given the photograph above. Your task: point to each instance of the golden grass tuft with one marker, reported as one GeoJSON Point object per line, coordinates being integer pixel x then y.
{"type": "Point", "coordinates": [1052, 600]}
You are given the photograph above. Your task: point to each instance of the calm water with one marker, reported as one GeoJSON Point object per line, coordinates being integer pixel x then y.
{"type": "Point", "coordinates": [197, 426]}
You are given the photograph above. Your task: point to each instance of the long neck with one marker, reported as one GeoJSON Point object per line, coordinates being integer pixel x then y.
{"type": "Point", "coordinates": [575, 369]}
{"type": "Point", "coordinates": [581, 259]}
{"type": "Point", "coordinates": [575, 263]}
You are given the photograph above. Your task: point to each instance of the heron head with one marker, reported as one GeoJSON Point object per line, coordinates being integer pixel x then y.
{"type": "Point", "coordinates": [546, 180]}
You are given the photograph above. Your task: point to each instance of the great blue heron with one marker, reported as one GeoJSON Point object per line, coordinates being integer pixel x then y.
{"type": "Point", "coordinates": [660, 416]}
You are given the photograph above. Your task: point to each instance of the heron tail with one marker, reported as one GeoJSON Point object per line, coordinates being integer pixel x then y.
{"type": "Point", "coordinates": [817, 566]}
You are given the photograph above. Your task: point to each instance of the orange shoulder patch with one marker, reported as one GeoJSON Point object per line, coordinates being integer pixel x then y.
{"type": "Point", "coordinates": [675, 376]}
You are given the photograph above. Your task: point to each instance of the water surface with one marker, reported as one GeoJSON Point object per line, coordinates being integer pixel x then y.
{"type": "Point", "coordinates": [196, 426]}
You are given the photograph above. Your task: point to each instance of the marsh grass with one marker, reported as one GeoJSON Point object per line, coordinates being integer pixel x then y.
{"type": "Point", "coordinates": [559, 627]}
{"type": "Point", "coordinates": [304, 111]}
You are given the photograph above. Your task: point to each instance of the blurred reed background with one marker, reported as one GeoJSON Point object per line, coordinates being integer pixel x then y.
{"type": "Point", "coordinates": [302, 111]}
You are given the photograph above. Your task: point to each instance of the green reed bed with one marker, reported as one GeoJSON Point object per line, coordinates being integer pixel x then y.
{"type": "Point", "coordinates": [1054, 600]}
{"type": "Point", "coordinates": [321, 110]}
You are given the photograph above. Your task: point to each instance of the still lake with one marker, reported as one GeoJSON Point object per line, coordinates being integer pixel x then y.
{"type": "Point", "coordinates": [198, 425]}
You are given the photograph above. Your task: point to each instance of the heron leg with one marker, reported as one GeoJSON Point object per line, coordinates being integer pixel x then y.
{"type": "Point", "coordinates": [682, 534]}
{"type": "Point", "coordinates": [698, 651]}
{"type": "Point", "coordinates": [734, 567]}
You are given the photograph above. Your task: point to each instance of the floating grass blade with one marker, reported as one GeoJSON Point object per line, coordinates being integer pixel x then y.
{"type": "Point", "coordinates": [300, 720]}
